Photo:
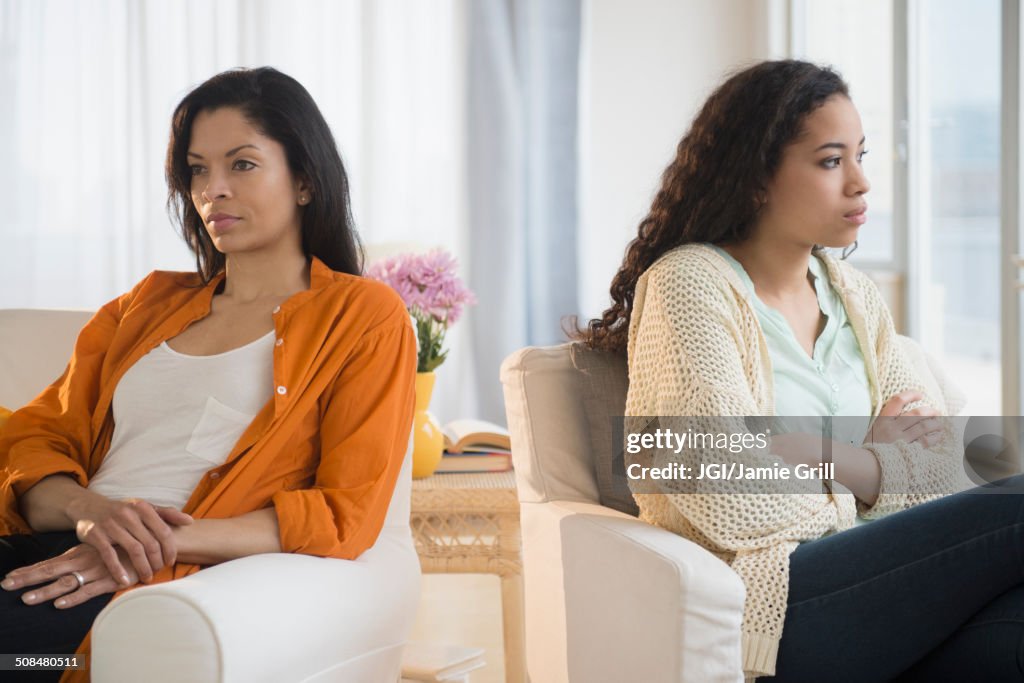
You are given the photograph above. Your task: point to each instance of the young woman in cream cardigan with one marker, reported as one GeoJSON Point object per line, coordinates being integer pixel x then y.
{"type": "Point", "coordinates": [728, 305]}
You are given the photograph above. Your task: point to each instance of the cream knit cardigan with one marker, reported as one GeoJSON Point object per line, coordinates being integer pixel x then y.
{"type": "Point", "coordinates": [696, 349]}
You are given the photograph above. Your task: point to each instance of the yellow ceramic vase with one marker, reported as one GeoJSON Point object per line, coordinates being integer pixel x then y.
{"type": "Point", "coordinates": [428, 441]}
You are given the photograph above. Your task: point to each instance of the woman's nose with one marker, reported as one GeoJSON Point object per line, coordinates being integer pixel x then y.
{"type": "Point", "coordinates": [216, 187]}
{"type": "Point", "coordinates": [857, 182]}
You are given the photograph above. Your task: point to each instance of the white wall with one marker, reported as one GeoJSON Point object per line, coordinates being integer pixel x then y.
{"type": "Point", "coordinates": [646, 67]}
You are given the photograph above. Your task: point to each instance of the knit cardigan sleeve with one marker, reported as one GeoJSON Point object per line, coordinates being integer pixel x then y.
{"type": "Point", "coordinates": [688, 357]}
{"type": "Point", "coordinates": [911, 474]}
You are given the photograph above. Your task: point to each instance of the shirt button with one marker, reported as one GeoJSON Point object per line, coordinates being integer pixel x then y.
{"type": "Point", "coordinates": [277, 309]}
{"type": "Point", "coordinates": [282, 390]}
{"type": "Point", "coordinates": [279, 342]}
{"type": "Point", "coordinates": [214, 475]}
{"type": "Point", "coordinates": [835, 387]}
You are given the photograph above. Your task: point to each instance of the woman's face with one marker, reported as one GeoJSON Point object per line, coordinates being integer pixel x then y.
{"type": "Point", "coordinates": [242, 185]}
{"type": "Point", "coordinates": [817, 194]}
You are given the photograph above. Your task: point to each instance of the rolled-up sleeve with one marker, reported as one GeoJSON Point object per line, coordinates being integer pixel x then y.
{"type": "Point", "coordinates": [363, 439]}
{"type": "Point", "coordinates": [53, 433]}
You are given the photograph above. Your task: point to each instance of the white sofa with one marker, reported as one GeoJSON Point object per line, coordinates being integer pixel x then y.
{"type": "Point", "coordinates": [609, 597]}
{"type": "Point", "coordinates": [273, 617]}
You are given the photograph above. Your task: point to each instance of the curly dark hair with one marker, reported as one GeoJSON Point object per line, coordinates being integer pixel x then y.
{"type": "Point", "coordinates": [284, 111]}
{"type": "Point", "coordinates": [713, 190]}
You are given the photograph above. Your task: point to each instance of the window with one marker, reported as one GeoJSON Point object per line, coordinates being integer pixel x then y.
{"type": "Point", "coordinates": [957, 54]}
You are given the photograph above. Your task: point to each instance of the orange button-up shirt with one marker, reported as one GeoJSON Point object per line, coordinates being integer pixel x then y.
{"type": "Point", "coordinates": [325, 450]}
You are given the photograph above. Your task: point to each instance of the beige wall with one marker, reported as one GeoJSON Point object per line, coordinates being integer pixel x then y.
{"type": "Point", "coordinates": [646, 67]}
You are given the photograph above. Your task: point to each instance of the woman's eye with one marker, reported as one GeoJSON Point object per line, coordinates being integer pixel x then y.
{"type": "Point", "coordinates": [196, 170]}
{"type": "Point", "coordinates": [243, 165]}
{"type": "Point", "coordinates": [860, 157]}
{"type": "Point", "coordinates": [831, 162]}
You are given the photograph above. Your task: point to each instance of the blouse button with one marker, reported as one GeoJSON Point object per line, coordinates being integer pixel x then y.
{"type": "Point", "coordinates": [279, 342]}
{"type": "Point", "coordinates": [282, 390]}
{"type": "Point", "coordinates": [277, 309]}
{"type": "Point", "coordinates": [214, 475]}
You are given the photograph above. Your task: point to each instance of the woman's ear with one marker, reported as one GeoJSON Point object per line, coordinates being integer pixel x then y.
{"type": "Point", "coordinates": [305, 192]}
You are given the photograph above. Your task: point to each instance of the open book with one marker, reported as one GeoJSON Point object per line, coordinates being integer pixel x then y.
{"type": "Point", "coordinates": [475, 435]}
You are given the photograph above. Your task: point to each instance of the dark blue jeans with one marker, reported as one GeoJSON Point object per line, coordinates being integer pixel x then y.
{"type": "Point", "coordinates": [933, 593]}
{"type": "Point", "coordinates": [40, 629]}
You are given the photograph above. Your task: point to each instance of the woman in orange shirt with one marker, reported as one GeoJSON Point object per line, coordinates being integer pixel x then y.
{"type": "Point", "coordinates": [261, 404]}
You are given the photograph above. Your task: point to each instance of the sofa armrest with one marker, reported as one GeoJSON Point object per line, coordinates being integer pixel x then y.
{"type": "Point", "coordinates": [663, 608]}
{"type": "Point", "coordinates": [271, 617]}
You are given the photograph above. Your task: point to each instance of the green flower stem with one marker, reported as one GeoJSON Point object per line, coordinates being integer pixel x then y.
{"type": "Point", "coordinates": [430, 333]}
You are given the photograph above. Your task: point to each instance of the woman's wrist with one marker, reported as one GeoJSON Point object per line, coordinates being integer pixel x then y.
{"type": "Point", "coordinates": [79, 505]}
{"type": "Point", "coordinates": [184, 540]}
{"type": "Point", "coordinates": [857, 469]}
{"type": "Point", "coordinates": [54, 503]}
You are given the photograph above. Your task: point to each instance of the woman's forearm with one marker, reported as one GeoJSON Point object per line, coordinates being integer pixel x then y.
{"type": "Point", "coordinates": [57, 502]}
{"type": "Point", "coordinates": [211, 541]}
{"type": "Point", "coordinates": [50, 505]}
{"type": "Point", "coordinates": [855, 468]}
{"type": "Point", "coordinates": [858, 470]}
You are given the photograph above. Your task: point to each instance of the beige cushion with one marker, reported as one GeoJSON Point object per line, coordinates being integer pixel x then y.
{"type": "Point", "coordinates": [549, 430]}
{"type": "Point", "coordinates": [603, 384]}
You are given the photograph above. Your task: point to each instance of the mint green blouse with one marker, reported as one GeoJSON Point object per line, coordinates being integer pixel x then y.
{"type": "Point", "coordinates": [831, 383]}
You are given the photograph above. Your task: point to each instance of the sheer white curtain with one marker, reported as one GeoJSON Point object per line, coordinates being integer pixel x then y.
{"type": "Point", "coordinates": [88, 89]}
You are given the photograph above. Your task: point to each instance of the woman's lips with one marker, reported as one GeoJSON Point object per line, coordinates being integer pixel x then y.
{"type": "Point", "coordinates": [859, 217]}
{"type": "Point", "coordinates": [221, 224]}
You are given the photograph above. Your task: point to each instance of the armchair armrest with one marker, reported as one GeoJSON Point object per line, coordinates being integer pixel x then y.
{"type": "Point", "coordinates": [663, 608]}
{"type": "Point", "coordinates": [271, 617]}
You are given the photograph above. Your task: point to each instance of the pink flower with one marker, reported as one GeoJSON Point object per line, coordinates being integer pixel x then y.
{"type": "Point", "coordinates": [433, 293]}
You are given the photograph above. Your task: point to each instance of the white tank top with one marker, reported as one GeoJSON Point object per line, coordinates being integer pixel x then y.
{"type": "Point", "coordinates": [178, 416]}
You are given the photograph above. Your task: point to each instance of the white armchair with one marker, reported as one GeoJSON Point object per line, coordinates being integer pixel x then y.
{"type": "Point", "coordinates": [608, 597]}
{"type": "Point", "coordinates": [332, 620]}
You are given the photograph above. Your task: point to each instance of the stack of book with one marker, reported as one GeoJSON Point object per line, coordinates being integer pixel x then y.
{"type": "Point", "coordinates": [475, 446]}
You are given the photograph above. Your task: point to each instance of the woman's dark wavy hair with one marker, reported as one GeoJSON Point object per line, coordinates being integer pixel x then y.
{"type": "Point", "coordinates": [713, 190]}
{"type": "Point", "coordinates": [284, 111]}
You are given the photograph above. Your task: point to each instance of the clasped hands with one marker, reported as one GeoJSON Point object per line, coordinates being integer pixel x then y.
{"type": "Point", "coordinates": [122, 543]}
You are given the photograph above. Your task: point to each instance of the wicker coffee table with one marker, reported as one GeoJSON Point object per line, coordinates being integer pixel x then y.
{"type": "Point", "coordinates": [469, 524]}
